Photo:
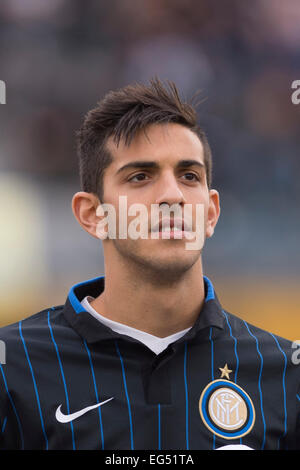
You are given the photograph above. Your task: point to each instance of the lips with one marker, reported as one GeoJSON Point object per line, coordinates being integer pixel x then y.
{"type": "Point", "coordinates": [171, 225]}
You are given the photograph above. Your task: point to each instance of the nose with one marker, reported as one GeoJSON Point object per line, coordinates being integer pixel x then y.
{"type": "Point", "coordinates": [168, 191]}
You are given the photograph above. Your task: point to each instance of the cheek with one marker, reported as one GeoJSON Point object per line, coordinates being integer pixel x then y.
{"type": "Point", "coordinates": [200, 212]}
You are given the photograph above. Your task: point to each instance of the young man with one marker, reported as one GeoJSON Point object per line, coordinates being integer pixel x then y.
{"type": "Point", "coordinates": [145, 357]}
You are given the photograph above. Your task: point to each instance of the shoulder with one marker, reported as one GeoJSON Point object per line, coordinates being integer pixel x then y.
{"type": "Point", "coordinates": [32, 342]}
{"type": "Point", "coordinates": [247, 332]}
{"type": "Point", "coordinates": [264, 352]}
{"type": "Point", "coordinates": [33, 325]}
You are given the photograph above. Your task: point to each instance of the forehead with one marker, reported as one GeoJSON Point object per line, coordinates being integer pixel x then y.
{"type": "Point", "coordinates": [162, 143]}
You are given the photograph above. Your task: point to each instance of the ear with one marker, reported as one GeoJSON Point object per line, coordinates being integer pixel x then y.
{"type": "Point", "coordinates": [213, 212]}
{"type": "Point", "coordinates": [84, 207]}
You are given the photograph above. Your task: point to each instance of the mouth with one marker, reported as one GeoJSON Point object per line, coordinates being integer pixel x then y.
{"type": "Point", "coordinates": [172, 229]}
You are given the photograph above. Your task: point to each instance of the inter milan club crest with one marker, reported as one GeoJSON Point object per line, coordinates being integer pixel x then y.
{"type": "Point", "coordinates": [225, 408]}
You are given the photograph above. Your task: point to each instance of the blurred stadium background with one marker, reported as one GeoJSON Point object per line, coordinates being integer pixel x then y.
{"type": "Point", "coordinates": [58, 58]}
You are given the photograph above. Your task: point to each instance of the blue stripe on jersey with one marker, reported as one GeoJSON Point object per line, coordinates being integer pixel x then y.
{"type": "Point", "coordinates": [3, 425]}
{"type": "Point", "coordinates": [34, 384]}
{"type": "Point", "coordinates": [212, 370]}
{"type": "Point", "coordinates": [212, 353]}
{"type": "Point", "coordinates": [259, 383]}
{"type": "Point", "coordinates": [235, 352]}
{"type": "Point", "coordinates": [159, 436]}
{"type": "Point", "coordinates": [72, 297]}
{"type": "Point", "coordinates": [127, 397]}
{"type": "Point", "coordinates": [235, 346]}
{"type": "Point", "coordinates": [186, 398]}
{"type": "Point", "coordinates": [298, 397]}
{"type": "Point", "coordinates": [14, 408]}
{"type": "Point", "coordinates": [210, 295]}
{"type": "Point", "coordinates": [96, 393]}
{"type": "Point", "coordinates": [63, 376]}
{"type": "Point", "coordinates": [283, 385]}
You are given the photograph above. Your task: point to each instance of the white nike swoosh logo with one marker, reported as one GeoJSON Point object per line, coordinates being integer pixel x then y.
{"type": "Point", "coordinates": [67, 418]}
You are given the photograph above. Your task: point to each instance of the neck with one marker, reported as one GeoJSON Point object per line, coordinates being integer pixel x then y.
{"type": "Point", "coordinates": [155, 308]}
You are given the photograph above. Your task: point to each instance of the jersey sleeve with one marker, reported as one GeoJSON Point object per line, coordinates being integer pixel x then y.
{"type": "Point", "coordinates": [10, 431]}
{"type": "Point", "coordinates": [3, 414]}
{"type": "Point", "coordinates": [297, 436]}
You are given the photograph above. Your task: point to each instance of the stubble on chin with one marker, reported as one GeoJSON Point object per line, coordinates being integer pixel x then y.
{"type": "Point", "coordinates": [164, 270]}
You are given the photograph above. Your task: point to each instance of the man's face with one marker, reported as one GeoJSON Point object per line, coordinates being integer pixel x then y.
{"type": "Point", "coordinates": [163, 166]}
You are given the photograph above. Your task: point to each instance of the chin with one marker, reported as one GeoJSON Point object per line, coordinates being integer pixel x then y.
{"type": "Point", "coordinates": [167, 265]}
{"type": "Point", "coordinates": [169, 273]}
{"type": "Point", "coordinates": [160, 260]}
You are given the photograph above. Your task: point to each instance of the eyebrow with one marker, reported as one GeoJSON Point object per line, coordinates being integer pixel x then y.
{"type": "Point", "coordinates": [187, 163]}
{"type": "Point", "coordinates": [155, 165]}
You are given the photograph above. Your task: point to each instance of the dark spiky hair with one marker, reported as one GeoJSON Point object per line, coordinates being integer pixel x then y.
{"type": "Point", "coordinates": [121, 114]}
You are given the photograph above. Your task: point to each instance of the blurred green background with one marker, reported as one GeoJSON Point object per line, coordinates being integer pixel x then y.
{"type": "Point", "coordinates": [59, 58]}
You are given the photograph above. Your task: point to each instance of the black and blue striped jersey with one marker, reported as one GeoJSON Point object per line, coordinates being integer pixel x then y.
{"type": "Point", "coordinates": [69, 382]}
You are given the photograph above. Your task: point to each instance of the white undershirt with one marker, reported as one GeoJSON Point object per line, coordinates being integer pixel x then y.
{"type": "Point", "coordinates": [156, 344]}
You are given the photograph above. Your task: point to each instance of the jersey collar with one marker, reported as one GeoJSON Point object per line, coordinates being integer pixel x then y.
{"type": "Point", "coordinates": [92, 330]}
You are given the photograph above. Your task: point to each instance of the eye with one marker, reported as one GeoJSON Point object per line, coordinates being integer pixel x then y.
{"type": "Point", "coordinates": [138, 177]}
{"type": "Point", "coordinates": [191, 176]}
